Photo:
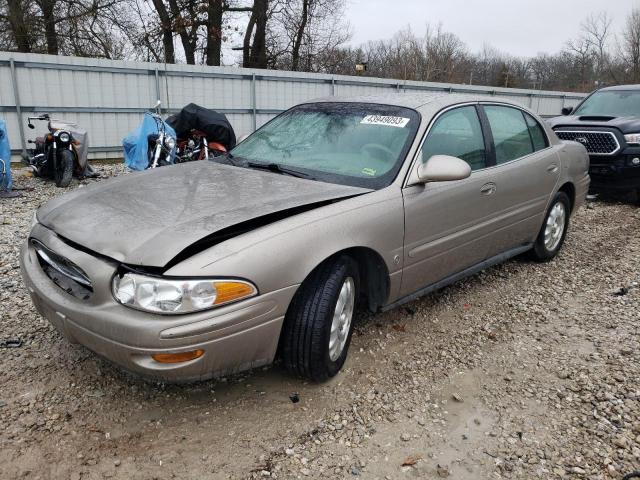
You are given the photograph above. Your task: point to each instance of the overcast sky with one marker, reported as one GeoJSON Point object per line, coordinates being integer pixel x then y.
{"type": "Point", "coordinates": [518, 27]}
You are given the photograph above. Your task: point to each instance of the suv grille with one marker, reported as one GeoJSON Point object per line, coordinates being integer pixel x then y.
{"type": "Point", "coordinates": [596, 143]}
{"type": "Point", "coordinates": [65, 274]}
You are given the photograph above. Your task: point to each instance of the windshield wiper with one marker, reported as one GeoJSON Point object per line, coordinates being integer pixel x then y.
{"type": "Point", "coordinates": [275, 168]}
{"type": "Point", "coordinates": [226, 157]}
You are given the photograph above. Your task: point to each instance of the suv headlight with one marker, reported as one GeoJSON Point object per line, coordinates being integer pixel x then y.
{"type": "Point", "coordinates": [169, 142]}
{"type": "Point", "coordinates": [632, 138]}
{"type": "Point", "coordinates": [175, 296]}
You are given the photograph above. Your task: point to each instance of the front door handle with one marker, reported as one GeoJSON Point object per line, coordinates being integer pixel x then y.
{"type": "Point", "coordinates": [553, 168]}
{"type": "Point", "coordinates": [488, 189]}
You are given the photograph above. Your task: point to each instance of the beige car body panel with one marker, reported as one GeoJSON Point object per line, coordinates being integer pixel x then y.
{"type": "Point", "coordinates": [422, 234]}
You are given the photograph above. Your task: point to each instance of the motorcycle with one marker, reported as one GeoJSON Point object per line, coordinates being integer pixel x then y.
{"type": "Point", "coordinates": [56, 155]}
{"type": "Point", "coordinates": [197, 147]}
{"type": "Point", "coordinates": [152, 144]}
{"type": "Point", "coordinates": [202, 133]}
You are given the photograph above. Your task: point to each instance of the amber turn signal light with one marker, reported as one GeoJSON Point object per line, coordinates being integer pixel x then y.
{"type": "Point", "coordinates": [230, 291]}
{"type": "Point", "coordinates": [177, 357]}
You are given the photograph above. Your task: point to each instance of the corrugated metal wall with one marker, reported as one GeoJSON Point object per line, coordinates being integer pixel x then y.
{"type": "Point", "coordinates": [108, 97]}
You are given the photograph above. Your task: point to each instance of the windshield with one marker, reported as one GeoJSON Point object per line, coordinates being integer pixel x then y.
{"type": "Point", "coordinates": [356, 144]}
{"type": "Point", "coordinates": [615, 103]}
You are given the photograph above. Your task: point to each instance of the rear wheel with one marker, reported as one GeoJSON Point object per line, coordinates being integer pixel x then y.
{"type": "Point", "coordinates": [319, 322]}
{"type": "Point", "coordinates": [554, 229]}
{"type": "Point", "coordinates": [63, 170]}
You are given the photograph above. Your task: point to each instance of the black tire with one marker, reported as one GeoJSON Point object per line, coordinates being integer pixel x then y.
{"type": "Point", "coordinates": [307, 325]}
{"type": "Point", "coordinates": [63, 170]}
{"type": "Point", "coordinates": [540, 251]}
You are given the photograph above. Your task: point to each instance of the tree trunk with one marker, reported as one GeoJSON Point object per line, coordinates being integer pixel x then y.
{"type": "Point", "coordinates": [258, 54]}
{"type": "Point", "coordinates": [188, 44]}
{"type": "Point", "coordinates": [48, 9]}
{"type": "Point", "coordinates": [17, 22]}
{"type": "Point", "coordinates": [167, 32]}
{"type": "Point", "coordinates": [297, 42]}
{"type": "Point", "coordinates": [214, 32]}
{"type": "Point", "coordinates": [246, 44]}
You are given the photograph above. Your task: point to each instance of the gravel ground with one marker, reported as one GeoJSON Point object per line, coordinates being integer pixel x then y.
{"type": "Point", "coordinates": [523, 371]}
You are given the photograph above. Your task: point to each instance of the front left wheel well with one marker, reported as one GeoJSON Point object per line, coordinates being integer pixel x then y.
{"type": "Point", "coordinates": [374, 275]}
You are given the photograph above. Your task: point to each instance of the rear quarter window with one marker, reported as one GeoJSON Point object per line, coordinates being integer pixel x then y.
{"type": "Point", "coordinates": [538, 137]}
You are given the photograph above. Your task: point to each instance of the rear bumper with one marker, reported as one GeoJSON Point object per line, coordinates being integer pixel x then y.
{"type": "Point", "coordinates": [234, 338]}
{"type": "Point", "coordinates": [582, 189]}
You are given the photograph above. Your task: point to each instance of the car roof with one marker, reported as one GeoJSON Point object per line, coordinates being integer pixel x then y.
{"type": "Point", "coordinates": [423, 102]}
{"type": "Point", "coordinates": [621, 87]}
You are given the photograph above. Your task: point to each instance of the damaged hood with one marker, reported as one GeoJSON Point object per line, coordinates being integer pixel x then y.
{"type": "Point", "coordinates": [148, 218]}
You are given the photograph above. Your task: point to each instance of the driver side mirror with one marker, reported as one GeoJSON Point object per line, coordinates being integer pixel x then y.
{"type": "Point", "coordinates": [443, 168]}
{"type": "Point", "coordinates": [567, 110]}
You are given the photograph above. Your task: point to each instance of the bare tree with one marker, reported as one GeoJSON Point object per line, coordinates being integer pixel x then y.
{"type": "Point", "coordinates": [18, 15]}
{"type": "Point", "coordinates": [631, 45]}
{"type": "Point", "coordinates": [301, 31]}
{"type": "Point", "coordinates": [597, 30]}
{"type": "Point", "coordinates": [582, 55]}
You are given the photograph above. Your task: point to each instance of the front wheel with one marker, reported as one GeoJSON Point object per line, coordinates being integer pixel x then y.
{"type": "Point", "coordinates": [554, 229]}
{"type": "Point", "coordinates": [63, 170]}
{"type": "Point", "coordinates": [319, 322]}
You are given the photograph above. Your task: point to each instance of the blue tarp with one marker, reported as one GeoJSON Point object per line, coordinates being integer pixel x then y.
{"type": "Point", "coordinates": [5, 158]}
{"type": "Point", "coordinates": [136, 143]}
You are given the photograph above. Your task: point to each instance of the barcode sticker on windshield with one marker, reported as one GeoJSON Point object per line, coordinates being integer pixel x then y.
{"type": "Point", "coordinates": [399, 122]}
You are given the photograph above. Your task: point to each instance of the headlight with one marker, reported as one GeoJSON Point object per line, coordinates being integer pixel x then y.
{"type": "Point", "coordinates": [64, 137]}
{"type": "Point", "coordinates": [169, 142]}
{"type": "Point", "coordinates": [632, 138]}
{"type": "Point", "coordinates": [174, 296]}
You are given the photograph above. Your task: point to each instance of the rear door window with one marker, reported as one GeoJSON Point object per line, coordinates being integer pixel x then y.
{"type": "Point", "coordinates": [510, 133]}
{"type": "Point", "coordinates": [457, 133]}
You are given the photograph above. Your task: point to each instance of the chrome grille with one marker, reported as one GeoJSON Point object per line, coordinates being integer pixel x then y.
{"type": "Point", "coordinates": [596, 143]}
{"type": "Point", "coordinates": [64, 273]}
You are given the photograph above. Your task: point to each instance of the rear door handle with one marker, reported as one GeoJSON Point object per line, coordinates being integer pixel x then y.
{"type": "Point", "coordinates": [488, 189]}
{"type": "Point", "coordinates": [553, 168]}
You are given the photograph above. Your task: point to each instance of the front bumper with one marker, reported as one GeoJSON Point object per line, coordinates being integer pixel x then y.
{"type": "Point", "coordinates": [235, 337]}
{"type": "Point", "coordinates": [614, 173]}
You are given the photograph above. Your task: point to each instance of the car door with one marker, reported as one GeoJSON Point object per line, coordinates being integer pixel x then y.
{"type": "Point", "coordinates": [445, 222]}
{"type": "Point", "coordinates": [525, 173]}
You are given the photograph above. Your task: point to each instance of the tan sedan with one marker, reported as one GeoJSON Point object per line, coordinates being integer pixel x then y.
{"type": "Point", "coordinates": [207, 268]}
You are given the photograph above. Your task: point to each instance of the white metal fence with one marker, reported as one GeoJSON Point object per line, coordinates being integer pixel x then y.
{"type": "Point", "coordinates": [108, 97]}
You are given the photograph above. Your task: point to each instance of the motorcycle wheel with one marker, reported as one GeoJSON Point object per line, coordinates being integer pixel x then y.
{"type": "Point", "coordinates": [63, 170]}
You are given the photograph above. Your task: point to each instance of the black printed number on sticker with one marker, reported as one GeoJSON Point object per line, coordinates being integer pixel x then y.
{"type": "Point", "coordinates": [389, 121]}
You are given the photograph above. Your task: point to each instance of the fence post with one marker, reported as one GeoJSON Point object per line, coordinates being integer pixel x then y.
{"type": "Point", "coordinates": [157, 75]}
{"type": "Point", "coordinates": [16, 99]}
{"type": "Point", "coordinates": [333, 86]}
{"type": "Point", "coordinates": [254, 100]}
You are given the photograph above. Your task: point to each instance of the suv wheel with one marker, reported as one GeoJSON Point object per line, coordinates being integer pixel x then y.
{"type": "Point", "coordinates": [319, 322]}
